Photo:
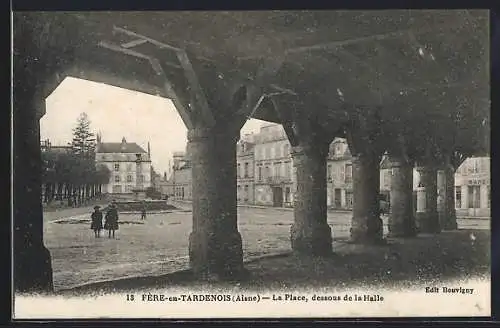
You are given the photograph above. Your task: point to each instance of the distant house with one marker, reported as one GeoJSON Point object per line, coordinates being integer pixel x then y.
{"type": "Point", "coordinates": [129, 163]}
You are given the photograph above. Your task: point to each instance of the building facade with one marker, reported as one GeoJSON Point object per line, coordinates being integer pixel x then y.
{"type": "Point", "coordinates": [274, 182]}
{"type": "Point", "coordinates": [245, 170]}
{"type": "Point", "coordinates": [178, 186]}
{"type": "Point", "coordinates": [266, 176]}
{"type": "Point", "coordinates": [339, 175]}
{"type": "Point", "coordinates": [130, 166]}
{"type": "Point", "coordinates": [473, 188]}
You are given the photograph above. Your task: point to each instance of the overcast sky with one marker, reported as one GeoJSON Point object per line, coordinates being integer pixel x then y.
{"type": "Point", "coordinates": [117, 113]}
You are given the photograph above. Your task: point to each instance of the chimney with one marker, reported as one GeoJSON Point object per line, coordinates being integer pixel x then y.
{"type": "Point", "coordinates": [149, 150]}
{"type": "Point", "coordinates": [124, 143]}
{"type": "Point", "coordinates": [98, 138]}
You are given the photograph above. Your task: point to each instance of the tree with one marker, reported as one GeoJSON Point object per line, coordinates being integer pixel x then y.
{"type": "Point", "coordinates": [83, 142]}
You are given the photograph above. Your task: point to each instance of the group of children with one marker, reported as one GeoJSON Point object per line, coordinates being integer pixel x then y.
{"type": "Point", "coordinates": [110, 219]}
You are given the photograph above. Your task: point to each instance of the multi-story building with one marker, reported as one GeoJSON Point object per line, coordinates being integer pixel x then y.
{"type": "Point", "coordinates": [473, 188]}
{"type": "Point", "coordinates": [472, 185]}
{"type": "Point", "coordinates": [245, 170]}
{"type": "Point", "coordinates": [273, 167]}
{"type": "Point", "coordinates": [130, 166]}
{"type": "Point", "coordinates": [339, 175]}
{"type": "Point", "coordinates": [179, 186]}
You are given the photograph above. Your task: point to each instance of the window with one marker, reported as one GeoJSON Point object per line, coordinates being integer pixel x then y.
{"type": "Point", "coordinates": [117, 167]}
{"type": "Point", "coordinates": [129, 178]}
{"type": "Point", "coordinates": [474, 196]}
{"type": "Point", "coordinates": [348, 173]}
{"type": "Point", "coordinates": [329, 172]}
{"type": "Point", "coordinates": [287, 169]}
{"type": "Point", "coordinates": [117, 178]}
{"type": "Point", "coordinates": [475, 166]}
{"type": "Point", "coordinates": [348, 199]}
{"type": "Point", "coordinates": [277, 151]}
{"type": "Point", "coordinates": [245, 196]}
{"type": "Point", "coordinates": [117, 189]}
{"type": "Point", "coordinates": [238, 171]}
{"type": "Point", "coordinates": [260, 172]}
{"type": "Point", "coordinates": [141, 178]}
{"type": "Point", "coordinates": [246, 170]}
{"type": "Point", "coordinates": [277, 167]}
{"type": "Point", "coordinates": [267, 172]}
{"type": "Point", "coordinates": [458, 197]}
{"type": "Point", "coordinates": [342, 173]}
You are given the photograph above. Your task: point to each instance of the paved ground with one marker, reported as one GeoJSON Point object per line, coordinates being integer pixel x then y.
{"type": "Point", "coordinates": [160, 244]}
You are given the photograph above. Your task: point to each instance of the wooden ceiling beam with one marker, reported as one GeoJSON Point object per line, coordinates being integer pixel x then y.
{"type": "Point", "coordinates": [178, 51]}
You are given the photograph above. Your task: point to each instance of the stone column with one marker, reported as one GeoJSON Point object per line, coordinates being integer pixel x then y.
{"type": "Point", "coordinates": [32, 261]}
{"type": "Point", "coordinates": [440, 198]}
{"type": "Point", "coordinates": [428, 221]}
{"type": "Point", "coordinates": [401, 218]}
{"type": "Point", "coordinates": [465, 196]}
{"type": "Point", "coordinates": [449, 221]}
{"type": "Point", "coordinates": [215, 247]}
{"type": "Point", "coordinates": [310, 232]}
{"type": "Point", "coordinates": [367, 226]}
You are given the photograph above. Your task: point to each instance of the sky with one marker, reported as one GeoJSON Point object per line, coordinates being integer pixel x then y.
{"type": "Point", "coordinates": [116, 113]}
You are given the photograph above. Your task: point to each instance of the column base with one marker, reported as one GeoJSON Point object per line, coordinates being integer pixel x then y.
{"type": "Point", "coordinates": [216, 257]}
{"type": "Point", "coordinates": [428, 222]}
{"type": "Point", "coordinates": [449, 223]}
{"type": "Point", "coordinates": [367, 230]}
{"type": "Point", "coordinates": [315, 241]}
{"type": "Point", "coordinates": [402, 229]}
{"type": "Point", "coordinates": [33, 270]}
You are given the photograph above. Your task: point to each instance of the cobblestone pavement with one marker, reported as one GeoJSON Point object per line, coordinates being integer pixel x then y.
{"type": "Point", "coordinates": [159, 245]}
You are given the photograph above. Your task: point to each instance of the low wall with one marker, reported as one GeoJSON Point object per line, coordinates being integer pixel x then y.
{"type": "Point", "coordinates": [136, 206]}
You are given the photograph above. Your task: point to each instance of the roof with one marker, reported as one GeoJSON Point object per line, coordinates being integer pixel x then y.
{"type": "Point", "coordinates": [414, 65]}
{"type": "Point", "coordinates": [118, 147]}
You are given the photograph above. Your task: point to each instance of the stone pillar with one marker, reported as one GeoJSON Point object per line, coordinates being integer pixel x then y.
{"type": "Point", "coordinates": [428, 221]}
{"type": "Point", "coordinates": [465, 196]}
{"type": "Point", "coordinates": [420, 208]}
{"type": "Point", "coordinates": [215, 247]}
{"type": "Point", "coordinates": [32, 261]}
{"type": "Point", "coordinates": [449, 221]}
{"type": "Point", "coordinates": [310, 232]}
{"type": "Point", "coordinates": [401, 218]}
{"type": "Point", "coordinates": [367, 226]}
{"type": "Point", "coordinates": [440, 197]}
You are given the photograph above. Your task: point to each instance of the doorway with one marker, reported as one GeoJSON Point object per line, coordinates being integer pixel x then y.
{"type": "Point", "coordinates": [277, 197]}
{"type": "Point", "coordinates": [337, 197]}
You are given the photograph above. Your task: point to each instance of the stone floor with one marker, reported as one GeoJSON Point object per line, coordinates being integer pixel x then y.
{"type": "Point", "coordinates": [158, 247]}
{"type": "Point", "coordinates": [424, 260]}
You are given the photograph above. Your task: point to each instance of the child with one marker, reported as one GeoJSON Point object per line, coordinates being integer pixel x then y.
{"type": "Point", "coordinates": [111, 220]}
{"type": "Point", "coordinates": [96, 224]}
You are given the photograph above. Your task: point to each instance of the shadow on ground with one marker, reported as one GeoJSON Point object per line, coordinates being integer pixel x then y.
{"type": "Point", "coordinates": [426, 259]}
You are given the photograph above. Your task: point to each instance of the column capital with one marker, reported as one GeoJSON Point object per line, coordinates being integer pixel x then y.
{"type": "Point", "coordinates": [310, 149]}
{"type": "Point", "coordinates": [202, 133]}
{"type": "Point", "coordinates": [398, 161]}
